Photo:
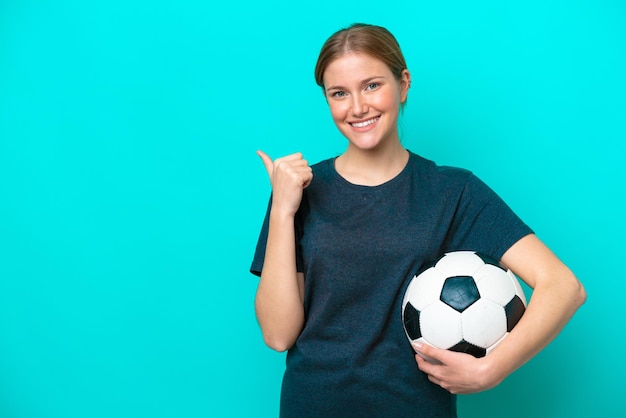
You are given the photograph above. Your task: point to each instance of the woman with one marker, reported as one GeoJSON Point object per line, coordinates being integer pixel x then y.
{"type": "Point", "coordinates": [342, 238]}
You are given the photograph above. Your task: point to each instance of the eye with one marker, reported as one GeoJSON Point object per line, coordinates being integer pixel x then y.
{"type": "Point", "coordinates": [338, 94]}
{"type": "Point", "coordinates": [372, 86]}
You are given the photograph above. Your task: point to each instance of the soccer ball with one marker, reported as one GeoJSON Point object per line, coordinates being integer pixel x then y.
{"type": "Point", "coordinates": [465, 302]}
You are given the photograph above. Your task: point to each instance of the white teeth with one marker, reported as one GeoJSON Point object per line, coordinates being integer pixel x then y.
{"type": "Point", "coordinates": [363, 124]}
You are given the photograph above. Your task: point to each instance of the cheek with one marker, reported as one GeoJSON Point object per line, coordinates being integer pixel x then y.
{"type": "Point", "coordinates": [388, 101]}
{"type": "Point", "coordinates": [337, 112]}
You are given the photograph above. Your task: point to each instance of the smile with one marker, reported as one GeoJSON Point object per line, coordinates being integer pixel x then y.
{"type": "Point", "coordinates": [364, 123]}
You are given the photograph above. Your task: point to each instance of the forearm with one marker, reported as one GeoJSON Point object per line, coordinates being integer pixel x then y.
{"type": "Point", "coordinates": [279, 298]}
{"type": "Point", "coordinates": [547, 313]}
{"type": "Point", "coordinates": [556, 296]}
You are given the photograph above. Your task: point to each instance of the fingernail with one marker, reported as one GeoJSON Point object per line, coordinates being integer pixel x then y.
{"type": "Point", "coordinates": [417, 345]}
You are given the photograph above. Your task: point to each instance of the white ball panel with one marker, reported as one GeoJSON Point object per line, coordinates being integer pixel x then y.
{"type": "Point", "coordinates": [490, 349]}
{"type": "Point", "coordinates": [459, 263]}
{"type": "Point", "coordinates": [484, 323]}
{"type": "Point", "coordinates": [494, 284]}
{"type": "Point", "coordinates": [425, 289]}
{"type": "Point", "coordinates": [441, 325]}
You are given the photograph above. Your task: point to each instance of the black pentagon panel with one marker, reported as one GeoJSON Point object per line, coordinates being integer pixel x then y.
{"type": "Point", "coordinates": [514, 311]}
{"type": "Point", "coordinates": [467, 348]}
{"type": "Point", "coordinates": [488, 259]}
{"type": "Point", "coordinates": [459, 292]}
{"type": "Point", "coordinates": [412, 321]}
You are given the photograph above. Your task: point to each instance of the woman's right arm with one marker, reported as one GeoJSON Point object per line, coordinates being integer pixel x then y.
{"type": "Point", "coordinates": [280, 294]}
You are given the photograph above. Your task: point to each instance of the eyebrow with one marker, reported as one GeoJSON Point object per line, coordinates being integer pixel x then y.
{"type": "Point", "coordinates": [364, 82]}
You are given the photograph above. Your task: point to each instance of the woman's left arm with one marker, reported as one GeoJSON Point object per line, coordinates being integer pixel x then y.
{"type": "Point", "coordinates": [557, 294]}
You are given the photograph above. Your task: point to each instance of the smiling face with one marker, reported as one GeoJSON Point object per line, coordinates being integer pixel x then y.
{"type": "Point", "coordinates": [364, 99]}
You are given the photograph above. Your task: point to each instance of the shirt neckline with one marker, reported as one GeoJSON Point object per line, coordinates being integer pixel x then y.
{"type": "Point", "coordinates": [361, 187]}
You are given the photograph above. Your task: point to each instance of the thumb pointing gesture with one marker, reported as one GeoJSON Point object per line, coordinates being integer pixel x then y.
{"type": "Point", "coordinates": [267, 162]}
{"type": "Point", "coordinates": [289, 176]}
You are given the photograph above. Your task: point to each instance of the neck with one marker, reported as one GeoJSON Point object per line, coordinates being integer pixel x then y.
{"type": "Point", "coordinates": [372, 167]}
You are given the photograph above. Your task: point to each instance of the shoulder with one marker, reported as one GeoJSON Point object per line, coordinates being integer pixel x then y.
{"type": "Point", "coordinates": [324, 174]}
{"type": "Point", "coordinates": [428, 172]}
{"type": "Point", "coordinates": [324, 166]}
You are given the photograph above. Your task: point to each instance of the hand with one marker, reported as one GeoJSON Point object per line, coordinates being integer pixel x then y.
{"type": "Point", "coordinates": [289, 176]}
{"type": "Point", "coordinates": [457, 373]}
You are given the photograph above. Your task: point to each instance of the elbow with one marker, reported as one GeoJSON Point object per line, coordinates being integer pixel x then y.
{"type": "Point", "coordinates": [575, 292]}
{"type": "Point", "coordinates": [276, 343]}
{"type": "Point", "coordinates": [280, 327]}
{"type": "Point", "coordinates": [279, 336]}
{"type": "Point", "coordinates": [581, 295]}
{"type": "Point", "coordinates": [280, 330]}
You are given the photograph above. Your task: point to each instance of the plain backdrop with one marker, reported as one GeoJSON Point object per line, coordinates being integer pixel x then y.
{"type": "Point", "coordinates": [131, 197]}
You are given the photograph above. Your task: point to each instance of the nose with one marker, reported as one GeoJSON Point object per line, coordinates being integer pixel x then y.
{"type": "Point", "coordinates": [359, 106]}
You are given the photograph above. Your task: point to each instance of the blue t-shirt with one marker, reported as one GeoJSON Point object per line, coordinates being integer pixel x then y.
{"type": "Point", "coordinates": [358, 247]}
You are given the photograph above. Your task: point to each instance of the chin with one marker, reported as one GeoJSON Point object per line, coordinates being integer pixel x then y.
{"type": "Point", "coordinates": [367, 146]}
{"type": "Point", "coordinates": [368, 143]}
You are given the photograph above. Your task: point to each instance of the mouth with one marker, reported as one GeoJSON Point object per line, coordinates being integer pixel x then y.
{"type": "Point", "coordinates": [364, 123]}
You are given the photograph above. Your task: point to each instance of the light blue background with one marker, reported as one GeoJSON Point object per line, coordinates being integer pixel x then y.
{"type": "Point", "coordinates": [131, 196]}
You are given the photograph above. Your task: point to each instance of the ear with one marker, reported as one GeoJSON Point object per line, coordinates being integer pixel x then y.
{"type": "Point", "coordinates": [405, 84]}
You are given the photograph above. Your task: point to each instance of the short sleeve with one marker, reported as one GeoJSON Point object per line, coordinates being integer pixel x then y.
{"type": "Point", "coordinates": [483, 222]}
{"type": "Point", "coordinates": [259, 253]}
